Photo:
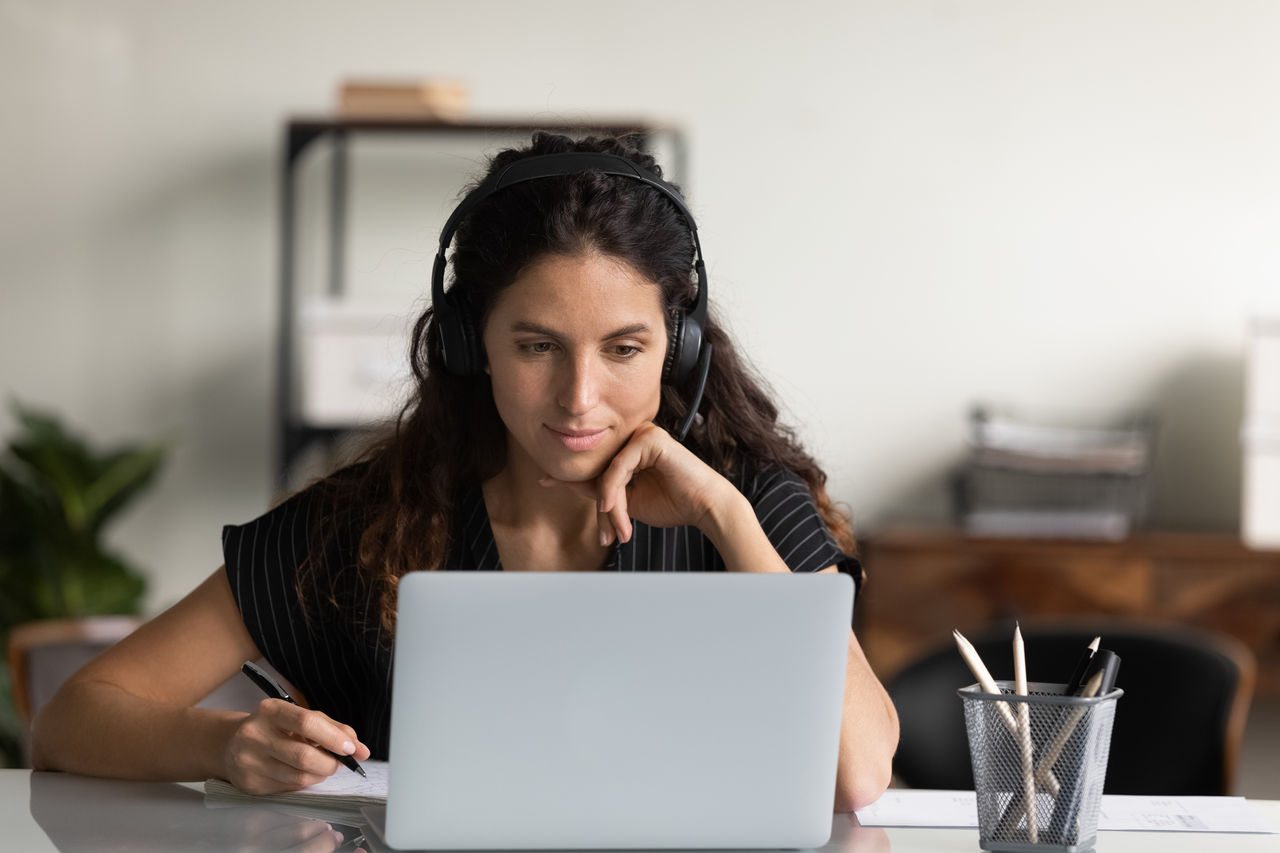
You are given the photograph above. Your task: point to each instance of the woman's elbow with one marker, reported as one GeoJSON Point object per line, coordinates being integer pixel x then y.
{"type": "Point", "coordinates": [44, 738]}
{"type": "Point", "coordinates": [864, 788]}
{"type": "Point", "coordinates": [871, 771]}
{"type": "Point", "coordinates": [54, 727]}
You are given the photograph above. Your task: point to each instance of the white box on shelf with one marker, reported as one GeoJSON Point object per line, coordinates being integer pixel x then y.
{"type": "Point", "coordinates": [1260, 508]}
{"type": "Point", "coordinates": [353, 362]}
{"type": "Point", "coordinates": [1260, 436]}
{"type": "Point", "coordinates": [1262, 373]}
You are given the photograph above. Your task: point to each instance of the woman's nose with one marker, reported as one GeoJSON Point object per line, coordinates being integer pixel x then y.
{"type": "Point", "coordinates": [578, 391]}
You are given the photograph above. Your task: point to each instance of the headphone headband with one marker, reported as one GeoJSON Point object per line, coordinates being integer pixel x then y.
{"type": "Point", "coordinates": [461, 340]}
{"type": "Point", "coordinates": [559, 165]}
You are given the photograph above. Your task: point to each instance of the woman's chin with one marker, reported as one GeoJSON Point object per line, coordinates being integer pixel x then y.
{"type": "Point", "coordinates": [577, 470]}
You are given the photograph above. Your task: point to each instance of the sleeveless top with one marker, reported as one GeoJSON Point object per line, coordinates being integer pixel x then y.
{"type": "Point", "coordinates": [336, 657]}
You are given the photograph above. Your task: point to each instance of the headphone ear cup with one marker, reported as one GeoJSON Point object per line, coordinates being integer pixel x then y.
{"type": "Point", "coordinates": [460, 343]}
{"type": "Point", "coordinates": [671, 364]}
{"type": "Point", "coordinates": [683, 350]}
{"type": "Point", "coordinates": [471, 345]}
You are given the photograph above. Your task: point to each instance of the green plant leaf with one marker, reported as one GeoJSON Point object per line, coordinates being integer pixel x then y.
{"type": "Point", "coordinates": [124, 474]}
{"type": "Point", "coordinates": [46, 433]}
{"type": "Point", "coordinates": [98, 583]}
{"type": "Point", "coordinates": [57, 477]}
{"type": "Point", "coordinates": [10, 726]}
{"type": "Point", "coordinates": [56, 496]}
{"type": "Point", "coordinates": [18, 508]}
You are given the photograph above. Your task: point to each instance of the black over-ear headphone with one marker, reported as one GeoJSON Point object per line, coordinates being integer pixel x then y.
{"type": "Point", "coordinates": [687, 353]}
{"type": "Point", "coordinates": [459, 336]}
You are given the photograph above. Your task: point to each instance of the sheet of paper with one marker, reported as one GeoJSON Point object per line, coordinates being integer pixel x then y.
{"type": "Point", "coordinates": [343, 789]}
{"type": "Point", "coordinates": [1181, 814]}
{"type": "Point", "coordinates": [347, 784]}
{"type": "Point", "coordinates": [904, 807]}
{"type": "Point", "coordinates": [910, 807]}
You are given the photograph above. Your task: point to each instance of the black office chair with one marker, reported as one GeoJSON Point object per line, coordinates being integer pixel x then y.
{"type": "Point", "coordinates": [1177, 728]}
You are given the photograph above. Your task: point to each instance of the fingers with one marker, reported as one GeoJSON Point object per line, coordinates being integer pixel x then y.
{"type": "Point", "coordinates": [666, 484]}
{"type": "Point", "coordinates": [322, 730]}
{"type": "Point", "coordinates": [614, 480]}
{"type": "Point", "coordinates": [259, 773]}
{"type": "Point", "coordinates": [617, 518]}
{"type": "Point", "coordinates": [608, 535]}
{"type": "Point", "coordinates": [297, 755]}
{"type": "Point", "coordinates": [314, 727]}
{"type": "Point", "coordinates": [590, 490]}
{"type": "Point", "coordinates": [283, 747]}
{"type": "Point", "coordinates": [614, 505]}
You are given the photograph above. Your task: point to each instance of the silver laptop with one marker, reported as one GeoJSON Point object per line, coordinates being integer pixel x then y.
{"type": "Point", "coordinates": [570, 711]}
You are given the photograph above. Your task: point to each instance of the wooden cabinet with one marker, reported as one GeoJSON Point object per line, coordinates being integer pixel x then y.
{"type": "Point", "coordinates": [923, 582]}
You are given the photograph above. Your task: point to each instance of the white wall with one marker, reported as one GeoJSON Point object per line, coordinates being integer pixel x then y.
{"type": "Point", "coordinates": [906, 206]}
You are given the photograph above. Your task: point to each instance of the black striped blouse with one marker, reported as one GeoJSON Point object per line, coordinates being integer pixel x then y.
{"type": "Point", "coordinates": [343, 668]}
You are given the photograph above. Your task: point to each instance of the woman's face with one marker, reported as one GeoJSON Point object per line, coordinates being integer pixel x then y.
{"type": "Point", "coordinates": [575, 348]}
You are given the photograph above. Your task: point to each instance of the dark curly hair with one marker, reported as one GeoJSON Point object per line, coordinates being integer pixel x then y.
{"type": "Point", "coordinates": [400, 501]}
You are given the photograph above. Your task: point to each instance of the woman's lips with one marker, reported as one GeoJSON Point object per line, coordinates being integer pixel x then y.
{"type": "Point", "coordinates": [578, 439]}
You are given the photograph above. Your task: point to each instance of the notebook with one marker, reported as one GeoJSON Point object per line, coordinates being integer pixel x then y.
{"type": "Point", "coordinates": [571, 711]}
{"type": "Point", "coordinates": [344, 791]}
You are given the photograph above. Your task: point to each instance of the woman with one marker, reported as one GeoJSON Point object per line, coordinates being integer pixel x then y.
{"type": "Point", "coordinates": [550, 378]}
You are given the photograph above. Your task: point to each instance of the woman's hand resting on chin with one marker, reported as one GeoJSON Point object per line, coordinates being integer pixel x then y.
{"type": "Point", "coordinates": [653, 479]}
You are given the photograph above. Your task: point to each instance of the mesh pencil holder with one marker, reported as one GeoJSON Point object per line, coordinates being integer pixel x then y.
{"type": "Point", "coordinates": [1039, 763]}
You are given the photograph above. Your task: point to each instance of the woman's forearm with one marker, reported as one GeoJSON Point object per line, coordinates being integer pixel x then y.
{"type": "Point", "coordinates": [868, 735]}
{"type": "Point", "coordinates": [98, 729]}
{"type": "Point", "coordinates": [733, 528]}
{"type": "Point", "coordinates": [869, 727]}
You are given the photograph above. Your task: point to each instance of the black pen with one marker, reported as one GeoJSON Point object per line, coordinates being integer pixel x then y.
{"type": "Point", "coordinates": [275, 691]}
{"type": "Point", "coordinates": [1077, 677]}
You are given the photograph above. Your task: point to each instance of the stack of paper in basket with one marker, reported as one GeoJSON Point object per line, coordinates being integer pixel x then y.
{"type": "Point", "coordinates": [1037, 479]}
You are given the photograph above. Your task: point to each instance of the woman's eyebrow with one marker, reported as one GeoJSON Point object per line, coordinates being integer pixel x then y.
{"type": "Point", "coordinates": [525, 326]}
{"type": "Point", "coordinates": [633, 329]}
{"type": "Point", "coordinates": [534, 328]}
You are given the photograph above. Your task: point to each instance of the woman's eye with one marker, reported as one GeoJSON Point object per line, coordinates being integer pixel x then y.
{"type": "Point", "coordinates": [538, 347]}
{"type": "Point", "coordinates": [626, 350]}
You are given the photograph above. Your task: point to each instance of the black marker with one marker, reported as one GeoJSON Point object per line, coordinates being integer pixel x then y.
{"type": "Point", "coordinates": [1107, 664]}
{"type": "Point", "coordinates": [1099, 679]}
{"type": "Point", "coordinates": [275, 691]}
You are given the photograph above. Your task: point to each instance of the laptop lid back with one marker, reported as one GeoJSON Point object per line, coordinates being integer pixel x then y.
{"type": "Point", "coordinates": [549, 710]}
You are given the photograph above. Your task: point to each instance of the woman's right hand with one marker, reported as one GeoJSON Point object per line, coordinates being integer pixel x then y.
{"type": "Point", "coordinates": [281, 747]}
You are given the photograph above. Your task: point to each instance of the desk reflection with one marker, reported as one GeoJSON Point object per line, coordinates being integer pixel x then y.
{"type": "Point", "coordinates": [849, 836]}
{"type": "Point", "coordinates": [79, 813]}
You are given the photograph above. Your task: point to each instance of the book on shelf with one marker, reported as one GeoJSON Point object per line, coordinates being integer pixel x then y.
{"type": "Point", "coordinates": [445, 100]}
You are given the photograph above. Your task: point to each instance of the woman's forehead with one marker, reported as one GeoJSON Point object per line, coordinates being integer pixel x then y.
{"type": "Point", "coordinates": [594, 283]}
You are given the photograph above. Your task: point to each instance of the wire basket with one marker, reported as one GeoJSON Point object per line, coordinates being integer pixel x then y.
{"type": "Point", "coordinates": [1039, 764]}
{"type": "Point", "coordinates": [1003, 502]}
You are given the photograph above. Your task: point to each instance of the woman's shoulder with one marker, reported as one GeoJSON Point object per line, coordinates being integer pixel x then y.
{"type": "Point", "coordinates": [293, 518]}
{"type": "Point", "coordinates": [790, 517]}
{"type": "Point", "coordinates": [766, 480]}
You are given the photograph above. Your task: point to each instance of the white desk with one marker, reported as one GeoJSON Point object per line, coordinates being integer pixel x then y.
{"type": "Point", "coordinates": [44, 812]}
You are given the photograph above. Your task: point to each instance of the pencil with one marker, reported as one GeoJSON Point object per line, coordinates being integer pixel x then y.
{"type": "Point", "coordinates": [985, 681]}
{"type": "Point", "coordinates": [1024, 733]}
{"type": "Point", "coordinates": [1064, 807]}
{"type": "Point", "coordinates": [1045, 777]}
